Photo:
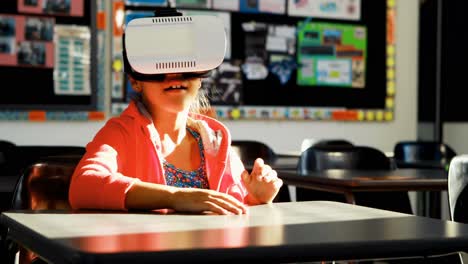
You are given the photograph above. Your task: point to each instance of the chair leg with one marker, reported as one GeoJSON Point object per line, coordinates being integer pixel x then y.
{"type": "Point", "coordinates": [8, 248]}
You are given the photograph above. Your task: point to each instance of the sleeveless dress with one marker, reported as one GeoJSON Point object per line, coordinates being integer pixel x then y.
{"type": "Point", "coordinates": [188, 179]}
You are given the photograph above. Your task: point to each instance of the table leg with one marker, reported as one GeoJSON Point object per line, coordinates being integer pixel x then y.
{"type": "Point", "coordinates": [429, 204]}
{"type": "Point", "coordinates": [421, 206]}
{"type": "Point", "coordinates": [434, 206]}
{"type": "Point", "coordinates": [350, 198]}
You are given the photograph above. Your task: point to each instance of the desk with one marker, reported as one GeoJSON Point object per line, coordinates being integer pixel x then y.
{"type": "Point", "coordinates": [280, 232]}
{"type": "Point", "coordinates": [347, 182]}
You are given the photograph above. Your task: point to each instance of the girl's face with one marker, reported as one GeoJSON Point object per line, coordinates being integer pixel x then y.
{"type": "Point", "coordinates": [174, 94]}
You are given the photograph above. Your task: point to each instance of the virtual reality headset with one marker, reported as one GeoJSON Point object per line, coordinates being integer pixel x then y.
{"type": "Point", "coordinates": [188, 45]}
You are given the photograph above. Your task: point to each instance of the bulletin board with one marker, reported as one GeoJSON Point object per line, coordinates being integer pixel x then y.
{"type": "Point", "coordinates": [51, 60]}
{"type": "Point", "coordinates": [288, 59]}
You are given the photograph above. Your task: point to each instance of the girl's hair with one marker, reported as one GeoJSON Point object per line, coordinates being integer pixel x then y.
{"type": "Point", "coordinates": [201, 105]}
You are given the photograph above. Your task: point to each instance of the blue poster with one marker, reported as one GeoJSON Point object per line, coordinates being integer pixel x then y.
{"type": "Point", "coordinates": [146, 2]}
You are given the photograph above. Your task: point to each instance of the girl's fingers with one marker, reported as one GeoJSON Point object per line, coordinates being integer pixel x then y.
{"type": "Point", "coordinates": [258, 164]}
{"type": "Point", "coordinates": [213, 207]}
{"type": "Point", "coordinates": [278, 183]}
{"type": "Point", "coordinates": [246, 177]}
{"type": "Point", "coordinates": [270, 176]}
{"type": "Point", "coordinates": [228, 206]}
{"type": "Point", "coordinates": [264, 172]}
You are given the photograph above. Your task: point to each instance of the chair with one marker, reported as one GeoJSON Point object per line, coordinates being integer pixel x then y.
{"type": "Point", "coordinates": [7, 149]}
{"type": "Point", "coordinates": [458, 194]}
{"type": "Point", "coordinates": [25, 155]}
{"type": "Point", "coordinates": [359, 158]}
{"type": "Point", "coordinates": [16, 158]}
{"type": "Point", "coordinates": [346, 157]}
{"type": "Point", "coordinates": [332, 144]}
{"type": "Point", "coordinates": [457, 191]}
{"type": "Point", "coordinates": [422, 154]}
{"type": "Point", "coordinates": [249, 150]}
{"type": "Point", "coordinates": [42, 186]}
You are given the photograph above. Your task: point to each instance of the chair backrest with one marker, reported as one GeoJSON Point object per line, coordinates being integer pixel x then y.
{"type": "Point", "coordinates": [24, 155]}
{"type": "Point", "coordinates": [44, 184]}
{"type": "Point", "coordinates": [249, 150]}
{"type": "Point", "coordinates": [409, 153]}
{"type": "Point", "coordinates": [7, 149]}
{"type": "Point", "coordinates": [457, 188]}
{"type": "Point", "coordinates": [357, 157]}
{"type": "Point", "coordinates": [333, 144]}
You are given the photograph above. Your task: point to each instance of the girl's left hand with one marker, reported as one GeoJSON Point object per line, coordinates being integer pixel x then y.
{"type": "Point", "coordinates": [262, 184]}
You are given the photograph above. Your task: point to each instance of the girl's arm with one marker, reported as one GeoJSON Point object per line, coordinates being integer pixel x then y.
{"type": "Point", "coordinates": [143, 195]}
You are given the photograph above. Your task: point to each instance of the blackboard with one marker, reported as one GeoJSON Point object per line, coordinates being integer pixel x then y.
{"type": "Point", "coordinates": [34, 67]}
{"type": "Point", "coordinates": [366, 94]}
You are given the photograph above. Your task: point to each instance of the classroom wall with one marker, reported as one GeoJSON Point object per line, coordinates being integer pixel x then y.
{"type": "Point", "coordinates": [283, 136]}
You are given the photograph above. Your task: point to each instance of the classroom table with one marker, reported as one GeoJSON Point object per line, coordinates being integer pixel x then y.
{"type": "Point", "coordinates": [348, 182]}
{"type": "Point", "coordinates": [279, 232]}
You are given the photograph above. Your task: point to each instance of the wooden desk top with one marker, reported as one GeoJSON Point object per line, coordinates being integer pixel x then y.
{"type": "Point", "coordinates": [399, 179]}
{"type": "Point", "coordinates": [280, 232]}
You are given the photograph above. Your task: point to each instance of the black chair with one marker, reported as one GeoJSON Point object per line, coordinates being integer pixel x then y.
{"type": "Point", "coordinates": [16, 158]}
{"type": "Point", "coordinates": [7, 149]}
{"type": "Point", "coordinates": [332, 144]}
{"type": "Point", "coordinates": [249, 150]}
{"type": "Point", "coordinates": [422, 154]}
{"type": "Point", "coordinates": [458, 197]}
{"type": "Point", "coordinates": [42, 186]}
{"type": "Point", "coordinates": [25, 155]}
{"type": "Point", "coordinates": [359, 158]}
{"type": "Point", "coordinates": [457, 188]}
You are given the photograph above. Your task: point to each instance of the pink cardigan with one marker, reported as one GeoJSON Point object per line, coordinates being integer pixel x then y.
{"type": "Point", "coordinates": [126, 150]}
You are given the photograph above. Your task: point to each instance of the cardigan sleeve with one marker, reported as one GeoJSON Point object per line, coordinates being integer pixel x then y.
{"type": "Point", "coordinates": [96, 182]}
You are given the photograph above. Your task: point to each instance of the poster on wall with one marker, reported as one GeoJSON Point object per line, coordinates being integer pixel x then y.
{"type": "Point", "coordinates": [191, 3]}
{"type": "Point", "coordinates": [230, 5]}
{"type": "Point", "coordinates": [331, 55]}
{"type": "Point", "coordinates": [73, 56]}
{"type": "Point", "coordinates": [52, 7]}
{"type": "Point", "coordinates": [26, 41]}
{"type": "Point", "coordinates": [332, 9]}
{"type": "Point", "coordinates": [224, 86]}
{"type": "Point", "coordinates": [146, 2]}
{"type": "Point", "coordinates": [263, 6]}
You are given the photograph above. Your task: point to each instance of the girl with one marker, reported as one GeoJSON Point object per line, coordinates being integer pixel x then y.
{"type": "Point", "coordinates": [160, 153]}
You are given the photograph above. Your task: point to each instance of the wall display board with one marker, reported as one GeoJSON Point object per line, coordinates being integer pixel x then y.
{"type": "Point", "coordinates": [51, 60]}
{"type": "Point", "coordinates": [288, 59]}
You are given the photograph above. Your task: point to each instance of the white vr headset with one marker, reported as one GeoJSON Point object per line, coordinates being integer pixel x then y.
{"type": "Point", "coordinates": [172, 43]}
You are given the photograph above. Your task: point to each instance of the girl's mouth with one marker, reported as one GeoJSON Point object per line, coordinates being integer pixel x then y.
{"type": "Point", "coordinates": [175, 87]}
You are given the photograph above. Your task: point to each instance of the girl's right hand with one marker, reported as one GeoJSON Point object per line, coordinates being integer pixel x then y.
{"type": "Point", "coordinates": [202, 200]}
